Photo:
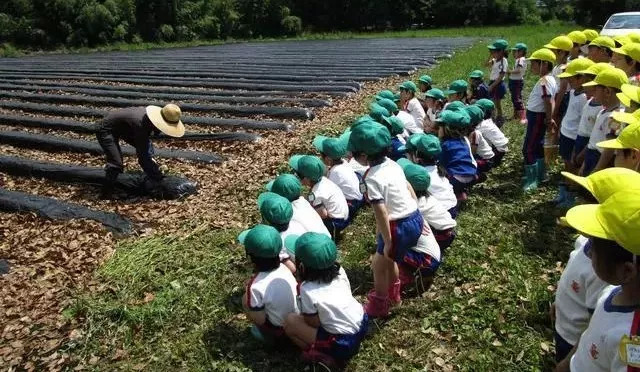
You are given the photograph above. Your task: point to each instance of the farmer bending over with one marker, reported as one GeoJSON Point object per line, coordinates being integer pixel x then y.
{"type": "Point", "coordinates": [134, 125]}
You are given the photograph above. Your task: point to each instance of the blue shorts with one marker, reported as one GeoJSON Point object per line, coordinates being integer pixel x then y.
{"type": "Point", "coordinates": [405, 233]}
{"type": "Point", "coordinates": [335, 225]}
{"type": "Point", "coordinates": [454, 212]}
{"type": "Point", "coordinates": [563, 348]}
{"type": "Point", "coordinates": [418, 261]}
{"type": "Point", "coordinates": [354, 207]}
{"type": "Point", "coordinates": [566, 145]}
{"type": "Point", "coordinates": [341, 347]}
{"type": "Point", "coordinates": [591, 158]}
{"type": "Point", "coordinates": [580, 144]}
{"type": "Point", "coordinates": [499, 91]}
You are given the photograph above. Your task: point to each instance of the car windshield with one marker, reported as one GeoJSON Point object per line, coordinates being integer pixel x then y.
{"type": "Point", "coordinates": [623, 21]}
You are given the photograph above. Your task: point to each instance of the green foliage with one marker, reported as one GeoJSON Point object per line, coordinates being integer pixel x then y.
{"type": "Point", "coordinates": [292, 25]}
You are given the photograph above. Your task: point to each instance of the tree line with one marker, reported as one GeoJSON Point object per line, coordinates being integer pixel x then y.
{"type": "Point", "coordinates": [54, 23]}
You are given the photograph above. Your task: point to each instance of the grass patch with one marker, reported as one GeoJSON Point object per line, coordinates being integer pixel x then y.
{"type": "Point", "coordinates": [172, 304]}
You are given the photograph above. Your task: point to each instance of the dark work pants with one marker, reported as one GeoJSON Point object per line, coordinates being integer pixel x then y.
{"type": "Point", "coordinates": [111, 147]}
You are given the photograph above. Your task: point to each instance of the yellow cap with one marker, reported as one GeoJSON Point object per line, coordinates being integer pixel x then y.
{"type": "Point", "coordinates": [629, 138]}
{"type": "Point", "coordinates": [603, 42]}
{"type": "Point", "coordinates": [577, 37]}
{"type": "Point", "coordinates": [595, 69]}
{"type": "Point", "coordinates": [625, 117]}
{"type": "Point", "coordinates": [576, 65]}
{"type": "Point", "coordinates": [607, 182]}
{"type": "Point", "coordinates": [612, 78]}
{"type": "Point", "coordinates": [617, 219]}
{"type": "Point", "coordinates": [631, 50]}
{"type": "Point", "coordinates": [590, 34]}
{"type": "Point", "coordinates": [622, 39]}
{"type": "Point", "coordinates": [635, 37]}
{"type": "Point", "coordinates": [561, 43]}
{"type": "Point", "coordinates": [629, 93]}
{"type": "Point", "coordinates": [543, 55]}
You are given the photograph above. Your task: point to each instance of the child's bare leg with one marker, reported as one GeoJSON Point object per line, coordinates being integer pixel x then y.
{"type": "Point", "coordinates": [498, 104]}
{"type": "Point", "coordinates": [393, 274]}
{"type": "Point", "coordinates": [302, 334]}
{"type": "Point", "coordinates": [382, 267]}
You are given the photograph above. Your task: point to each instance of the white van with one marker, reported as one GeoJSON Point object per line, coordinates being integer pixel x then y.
{"type": "Point", "coordinates": [621, 24]}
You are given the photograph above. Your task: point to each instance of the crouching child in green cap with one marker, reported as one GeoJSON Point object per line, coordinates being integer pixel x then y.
{"type": "Point", "coordinates": [271, 292]}
{"type": "Point", "coordinates": [479, 88]}
{"type": "Point", "coordinates": [332, 323]}
{"type": "Point", "coordinates": [480, 148]}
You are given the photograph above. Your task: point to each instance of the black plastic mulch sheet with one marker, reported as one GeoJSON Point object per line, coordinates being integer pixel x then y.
{"type": "Point", "coordinates": [133, 184]}
{"type": "Point", "coordinates": [14, 201]}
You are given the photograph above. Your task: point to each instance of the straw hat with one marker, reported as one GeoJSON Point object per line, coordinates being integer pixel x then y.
{"type": "Point", "coordinates": [166, 119]}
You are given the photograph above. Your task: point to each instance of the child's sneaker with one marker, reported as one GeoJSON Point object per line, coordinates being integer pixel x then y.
{"type": "Point", "coordinates": [377, 306]}
{"type": "Point", "coordinates": [395, 298]}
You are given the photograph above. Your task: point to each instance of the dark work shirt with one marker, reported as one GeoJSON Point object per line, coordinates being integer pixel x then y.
{"type": "Point", "coordinates": [134, 127]}
{"type": "Point", "coordinates": [480, 91]}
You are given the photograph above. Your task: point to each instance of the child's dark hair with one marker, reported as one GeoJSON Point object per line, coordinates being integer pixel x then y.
{"type": "Point", "coordinates": [427, 160]}
{"type": "Point", "coordinates": [378, 158]}
{"type": "Point", "coordinates": [611, 252]}
{"type": "Point", "coordinates": [319, 275]}
{"type": "Point", "coordinates": [264, 264]}
{"type": "Point", "coordinates": [333, 161]}
{"type": "Point", "coordinates": [450, 132]}
{"type": "Point", "coordinates": [488, 114]}
{"type": "Point", "coordinates": [609, 52]}
{"type": "Point", "coordinates": [421, 193]}
{"type": "Point", "coordinates": [281, 228]}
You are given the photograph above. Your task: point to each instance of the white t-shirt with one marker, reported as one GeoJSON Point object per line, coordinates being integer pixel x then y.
{"type": "Point", "coordinates": [441, 189]}
{"type": "Point", "coordinates": [415, 109]}
{"type": "Point", "coordinates": [577, 294]}
{"type": "Point", "coordinates": [519, 69]}
{"type": "Point", "coordinates": [305, 215]}
{"type": "Point", "coordinates": [427, 243]}
{"type": "Point", "coordinates": [435, 214]}
{"type": "Point", "coordinates": [327, 194]}
{"type": "Point", "coordinates": [557, 70]}
{"type": "Point", "coordinates": [602, 127]}
{"type": "Point", "coordinates": [571, 119]}
{"type": "Point", "coordinates": [483, 149]}
{"type": "Point", "coordinates": [275, 293]}
{"type": "Point", "coordinates": [386, 183]}
{"type": "Point", "coordinates": [345, 178]}
{"type": "Point", "coordinates": [296, 229]}
{"type": "Point", "coordinates": [357, 167]}
{"type": "Point", "coordinates": [634, 80]}
{"type": "Point", "coordinates": [498, 67]}
{"type": "Point", "coordinates": [339, 312]}
{"type": "Point", "coordinates": [492, 134]}
{"type": "Point", "coordinates": [598, 349]}
{"type": "Point", "coordinates": [588, 118]}
{"type": "Point", "coordinates": [409, 122]}
{"type": "Point", "coordinates": [545, 87]}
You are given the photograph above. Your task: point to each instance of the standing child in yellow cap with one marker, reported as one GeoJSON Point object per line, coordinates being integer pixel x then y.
{"type": "Point", "coordinates": [516, 81]}
{"type": "Point", "coordinates": [627, 145]}
{"type": "Point", "coordinates": [539, 117]}
{"type": "Point", "coordinates": [600, 49]}
{"type": "Point", "coordinates": [607, 85]}
{"type": "Point", "coordinates": [270, 293]}
{"type": "Point", "coordinates": [499, 66]}
{"type": "Point", "coordinates": [561, 46]}
{"type": "Point", "coordinates": [628, 60]}
{"type": "Point", "coordinates": [579, 39]}
{"type": "Point", "coordinates": [610, 341]}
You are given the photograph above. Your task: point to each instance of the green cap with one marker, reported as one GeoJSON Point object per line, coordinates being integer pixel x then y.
{"type": "Point", "coordinates": [334, 148]}
{"type": "Point", "coordinates": [417, 176]}
{"type": "Point", "coordinates": [456, 106]}
{"type": "Point", "coordinates": [476, 74]}
{"type": "Point", "coordinates": [308, 166]}
{"type": "Point", "coordinates": [378, 112]}
{"type": "Point", "coordinates": [520, 46]}
{"type": "Point", "coordinates": [261, 241]}
{"type": "Point", "coordinates": [412, 142]}
{"type": "Point", "coordinates": [429, 144]}
{"type": "Point", "coordinates": [388, 104]}
{"type": "Point", "coordinates": [408, 85]}
{"type": "Point", "coordinates": [385, 94]}
{"type": "Point", "coordinates": [458, 86]}
{"type": "Point", "coordinates": [275, 209]}
{"type": "Point", "coordinates": [369, 138]}
{"type": "Point", "coordinates": [315, 251]}
{"type": "Point", "coordinates": [499, 44]}
{"type": "Point", "coordinates": [455, 119]}
{"type": "Point", "coordinates": [486, 105]}
{"type": "Point", "coordinates": [394, 124]}
{"type": "Point", "coordinates": [286, 185]}
{"type": "Point", "coordinates": [436, 94]}
{"type": "Point", "coordinates": [475, 114]}
{"type": "Point", "coordinates": [396, 97]}
{"type": "Point", "coordinates": [362, 119]}
{"type": "Point", "coordinates": [426, 79]}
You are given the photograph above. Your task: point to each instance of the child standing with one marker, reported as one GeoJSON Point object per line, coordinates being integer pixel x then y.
{"type": "Point", "coordinates": [289, 187]}
{"type": "Point", "coordinates": [332, 323]}
{"type": "Point", "coordinates": [411, 104]}
{"type": "Point", "coordinates": [539, 117]}
{"type": "Point", "coordinates": [609, 342]}
{"type": "Point", "coordinates": [499, 66]}
{"type": "Point", "coordinates": [561, 46]}
{"type": "Point", "coordinates": [600, 49]}
{"type": "Point", "coordinates": [579, 39]}
{"type": "Point", "coordinates": [271, 292]}
{"type": "Point", "coordinates": [490, 132]}
{"type": "Point", "coordinates": [516, 81]}
{"type": "Point", "coordinates": [332, 151]}
{"type": "Point", "coordinates": [479, 89]}
{"type": "Point", "coordinates": [607, 85]}
{"type": "Point", "coordinates": [628, 60]}
{"type": "Point", "coordinates": [456, 156]}
{"type": "Point", "coordinates": [325, 196]}
{"type": "Point", "coordinates": [398, 221]}
{"type": "Point", "coordinates": [627, 145]}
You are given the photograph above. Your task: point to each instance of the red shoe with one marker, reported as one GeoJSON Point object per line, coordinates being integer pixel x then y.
{"type": "Point", "coordinates": [314, 356]}
{"type": "Point", "coordinates": [377, 306]}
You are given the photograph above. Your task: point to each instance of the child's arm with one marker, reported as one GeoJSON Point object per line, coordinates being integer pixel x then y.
{"type": "Point", "coordinates": [564, 84]}
{"type": "Point", "coordinates": [322, 211]}
{"type": "Point", "coordinates": [312, 320]}
{"type": "Point", "coordinates": [548, 110]}
{"type": "Point", "coordinates": [258, 317]}
{"type": "Point", "coordinates": [605, 159]}
{"type": "Point", "coordinates": [382, 225]}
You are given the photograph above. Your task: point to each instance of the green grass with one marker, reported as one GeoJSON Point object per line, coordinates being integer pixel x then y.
{"type": "Point", "coordinates": [171, 303]}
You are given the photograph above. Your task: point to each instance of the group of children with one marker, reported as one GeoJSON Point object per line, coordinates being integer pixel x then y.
{"type": "Point", "coordinates": [412, 162]}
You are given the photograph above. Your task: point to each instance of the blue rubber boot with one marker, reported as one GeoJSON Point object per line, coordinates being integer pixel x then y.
{"type": "Point", "coordinates": [531, 178]}
{"type": "Point", "coordinates": [568, 202]}
{"type": "Point", "coordinates": [562, 194]}
{"type": "Point", "coordinates": [542, 171]}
